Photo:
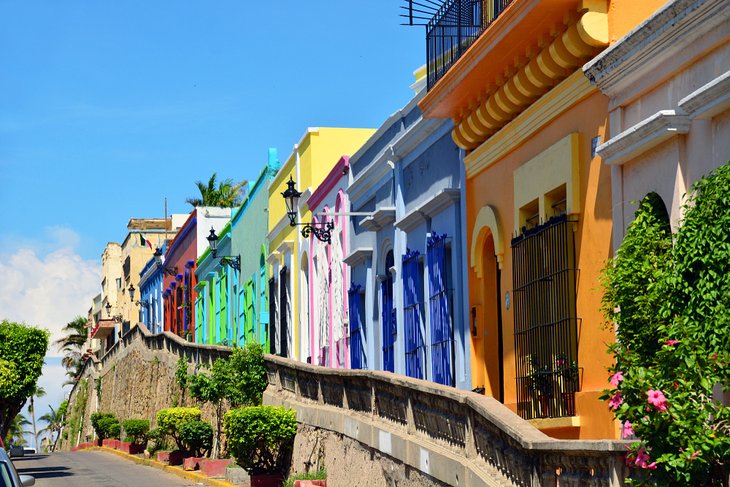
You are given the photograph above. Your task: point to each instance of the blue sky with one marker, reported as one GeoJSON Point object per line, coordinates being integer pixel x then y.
{"type": "Point", "coordinates": [106, 108]}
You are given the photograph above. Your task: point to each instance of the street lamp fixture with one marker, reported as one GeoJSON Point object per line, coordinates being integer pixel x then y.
{"type": "Point", "coordinates": [108, 309]}
{"type": "Point", "coordinates": [131, 292]}
{"type": "Point", "coordinates": [321, 230]}
{"type": "Point", "coordinates": [158, 260]}
{"type": "Point", "coordinates": [233, 261]}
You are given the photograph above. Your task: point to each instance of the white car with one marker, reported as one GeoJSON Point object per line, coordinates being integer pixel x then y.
{"type": "Point", "coordinates": [9, 476]}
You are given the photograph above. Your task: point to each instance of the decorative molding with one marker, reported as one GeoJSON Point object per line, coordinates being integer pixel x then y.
{"type": "Point", "coordinates": [560, 99]}
{"type": "Point", "coordinates": [486, 219]}
{"type": "Point", "coordinates": [279, 227]}
{"type": "Point", "coordinates": [274, 258]}
{"type": "Point", "coordinates": [643, 136]}
{"type": "Point", "coordinates": [708, 100]}
{"type": "Point", "coordinates": [656, 44]}
{"type": "Point", "coordinates": [358, 256]}
{"type": "Point", "coordinates": [411, 220]}
{"type": "Point", "coordinates": [440, 201]}
{"type": "Point", "coordinates": [379, 219]}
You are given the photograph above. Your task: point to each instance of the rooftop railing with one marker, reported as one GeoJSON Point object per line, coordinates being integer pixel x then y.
{"type": "Point", "coordinates": [454, 28]}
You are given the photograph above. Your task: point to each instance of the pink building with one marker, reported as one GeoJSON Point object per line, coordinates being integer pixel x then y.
{"type": "Point", "coordinates": [324, 274]}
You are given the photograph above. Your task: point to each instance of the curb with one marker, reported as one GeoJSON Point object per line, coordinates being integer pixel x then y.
{"type": "Point", "coordinates": [189, 475]}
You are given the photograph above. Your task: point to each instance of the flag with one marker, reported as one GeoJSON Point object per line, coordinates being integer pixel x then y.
{"type": "Point", "coordinates": [143, 241]}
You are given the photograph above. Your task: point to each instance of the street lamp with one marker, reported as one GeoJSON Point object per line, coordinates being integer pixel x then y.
{"type": "Point", "coordinates": [234, 262]}
{"type": "Point", "coordinates": [108, 309]}
{"type": "Point", "coordinates": [131, 292]}
{"type": "Point", "coordinates": [321, 230]}
{"type": "Point", "coordinates": [158, 260]}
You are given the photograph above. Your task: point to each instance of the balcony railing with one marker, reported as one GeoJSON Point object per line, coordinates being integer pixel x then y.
{"type": "Point", "coordinates": [455, 27]}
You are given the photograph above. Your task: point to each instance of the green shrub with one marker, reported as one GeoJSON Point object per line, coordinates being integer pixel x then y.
{"type": "Point", "coordinates": [106, 425]}
{"type": "Point", "coordinates": [136, 430]}
{"type": "Point", "coordinates": [156, 440]}
{"type": "Point", "coordinates": [320, 474]}
{"type": "Point", "coordinates": [170, 421]}
{"type": "Point", "coordinates": [261, 438]}
{"type": "Point", "coordinates": [247, 375]}
{"type": "Point", "coordinates": [197, 436]}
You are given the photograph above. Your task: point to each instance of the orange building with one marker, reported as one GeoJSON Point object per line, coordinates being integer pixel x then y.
{"type": "Point", "coordinates": [538, 199]}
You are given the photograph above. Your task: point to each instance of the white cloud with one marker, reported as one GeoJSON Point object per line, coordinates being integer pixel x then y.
{"type": "Point", "coordinates": [48, 290]}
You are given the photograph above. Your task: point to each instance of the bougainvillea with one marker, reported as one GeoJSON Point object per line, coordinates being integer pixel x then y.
{"type": "Point", "coordinates": [669, 298]}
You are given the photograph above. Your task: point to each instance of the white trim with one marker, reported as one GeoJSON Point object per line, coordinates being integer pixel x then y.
{"type": "Point", "coordinates": [708, 100]}
{"type": "Point", "coordinates": [643, 136]}
{"type": "Point", "coordinates": [428, 209]}
{"type": "Point", "coordinates": [378, 219]}
{"type": "Point", "coordinates": [358, 256]}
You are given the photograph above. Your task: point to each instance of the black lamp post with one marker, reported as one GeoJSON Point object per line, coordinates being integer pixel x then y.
{"type": "Point", "coordinates": [234, 262]}
{"type": "Point", "coordinates": [321, 230]}
{"type": "Point", "coordinates": [131, 292]}
{"type": "Point", "coordinates": [158, 260]}
{"type": "Point", "coordinates": [108, 309]}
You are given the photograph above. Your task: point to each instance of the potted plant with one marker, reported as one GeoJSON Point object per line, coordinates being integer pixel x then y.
{"type": "Point", "coordinates": [261, 439]}
{"type": "Point", "coordinates": [170, 422]}
{"type": "Point", "coordinates": [135, 431]}
{"type": "Point", "coordinates": [107, 429]}
{"type": "Point", "coordinates": [567, 370]}
{"type": "Point", "coordinates": [541, 383]}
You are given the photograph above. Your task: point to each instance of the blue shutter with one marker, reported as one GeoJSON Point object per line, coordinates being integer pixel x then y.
{"type": "Point", "coordinates": [412, 315]}
{"type": "Point", "coordinates": [442, 336]}
{"type": "Point", "coordinates": [356, 328]}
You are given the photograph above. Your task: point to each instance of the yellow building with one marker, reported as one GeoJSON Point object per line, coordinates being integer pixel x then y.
{"type": "Point", "coordinates": [538, 199]}
{"type": "Point", "coordinates": [309, 163]}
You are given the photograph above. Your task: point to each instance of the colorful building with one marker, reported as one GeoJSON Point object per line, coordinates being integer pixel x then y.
{"type": "Point", "coordinates": [309, 163]}
{"type": "Point", "coordinates": [668, 84]}
{"type": "Point", "coordinates": [325, 271]}
{"type": "Point", "coordinates": [179, 268]}
{"type": "Point", "coordinates": [406, 252]}
{"type": "Point", "coordinates": [151, 280]}
{"type": "Point", "coordinates": [216, 287]}
{"type": "Point", "coordinates": [249, 227]}
{"type": "Point", "coordinates": [538, 198]}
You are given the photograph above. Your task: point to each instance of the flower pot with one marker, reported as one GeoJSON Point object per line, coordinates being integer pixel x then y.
{"type": "Point", "coordinates": [267, 480]}
{"type": "Point", "coordinates": [215, 467]}
{"type": "Point", "coordinates": [568, 403]}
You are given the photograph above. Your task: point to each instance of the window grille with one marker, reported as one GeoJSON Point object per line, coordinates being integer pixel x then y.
{"type": "Point", "coordinates": [283, 312]}
{"type": "Point", "coordinates": [390, 329]}
{"type": "Point", "coordinates": [412, 318]}
{"type": "Point", "coordinates": [440, 312]}
{"type": "Point", "coordinates": [546, 323]}
{"type": "Point", "coordinates": [272, 316]}
{"type": "Point", "coordinates": [357, 328]}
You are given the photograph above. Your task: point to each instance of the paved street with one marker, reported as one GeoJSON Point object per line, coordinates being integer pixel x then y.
{"type": "Point", "coordinates": [93, 469]}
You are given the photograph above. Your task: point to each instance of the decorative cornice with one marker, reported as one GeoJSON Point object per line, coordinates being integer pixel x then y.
{"type": "Point", "coordinates": [278, 228]}
{"type": "Point", "coordinates": [274, 258]}
{"type": "Point", "coordinates": [336, 175]}
{"type": "Point", "coordinates": [643, 136]}
{"type": "Point", "coordinates": [411, 220]}
{"type": "Point", "coordinates": [358, 256]}
{"type": "Point", "coordinates": [567, 94]}
{"type": "Point", "coordinates": [708, 100]}
{"type": "Point", "coordinates": [654, 43]}
{"type": "Point", "coordinates": [555, 62]}
{"type": "Point", "coordinates": [380, 218]}
{"type": "Point", "coordinates": [440, 201]}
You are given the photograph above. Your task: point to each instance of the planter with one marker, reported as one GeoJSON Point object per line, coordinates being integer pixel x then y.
{"type": "Point", "coordinates": [267, 480]}
{"type": "Point", "coordinates": [131, 448]}
{"type": "Point", "coordinates": [170, 457]}
{"type": "Point", "coordinates": [111, 443]}
{"type": "Point", "coordinates": [215, 467]}
{"type": "Point", "coordinates": [192, 463]}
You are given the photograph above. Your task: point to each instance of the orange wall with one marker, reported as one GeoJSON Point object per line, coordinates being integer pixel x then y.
{"type": "Point", "coordinates": [494, 186]}
{"type": "Point", "coordinates": [624, 15]}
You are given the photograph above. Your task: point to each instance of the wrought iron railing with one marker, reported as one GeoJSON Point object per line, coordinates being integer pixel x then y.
{"type": "Point", "coordinates": [546, 321]}
{"type": "Point", "coordinates": [454, 28]}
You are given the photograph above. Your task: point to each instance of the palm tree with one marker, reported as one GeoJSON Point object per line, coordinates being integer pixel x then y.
{"type": "Point", "coordinates": [224, 194]}
{"type": "Point", "coordinates": [16, 432]}
{"type": "Point", "coordinates": [38, 391]}
{"type": "Point", "coordinates": [72, 345]}
{"type": "Point", "coordinates": [54, 423]}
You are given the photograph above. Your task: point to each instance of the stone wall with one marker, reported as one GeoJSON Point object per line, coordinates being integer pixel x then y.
{"type": "Point", "coordinates": [135, 379]}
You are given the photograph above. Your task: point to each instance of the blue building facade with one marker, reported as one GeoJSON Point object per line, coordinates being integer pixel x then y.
{"type": "Point", "coordinates": [407, 256]}
{"type": "Point", "coordinates": [151, 309]}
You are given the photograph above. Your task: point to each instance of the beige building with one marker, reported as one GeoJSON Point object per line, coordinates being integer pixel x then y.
{"type": "Point", "coordinates": [668, 83]}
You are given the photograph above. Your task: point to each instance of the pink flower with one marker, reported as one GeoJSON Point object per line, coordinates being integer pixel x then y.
{"type": "Point", "coordinates": [694, 455]}
{"type": "Point", "coordinates": [627, 429]}
{"type": "Point", "coordinates": [615, 401]}
{"type": "Point", "coordinates": [656, 398]}
{"type": "Point", "coordinates": [671, 342]}
{"type": "Point", "coordinates": [651, 466]}
{"type": "Point", "coordinates": [642, 460]}
{"type": "Point", "coordinates": [616, 378]}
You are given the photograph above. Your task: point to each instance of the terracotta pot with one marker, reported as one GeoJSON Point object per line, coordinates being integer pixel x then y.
{"type": "Point", "coordinates": [267, 480]}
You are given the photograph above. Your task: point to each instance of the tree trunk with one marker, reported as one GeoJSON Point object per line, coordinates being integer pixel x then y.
{"type": "Point", "coordinates": [32, 418]}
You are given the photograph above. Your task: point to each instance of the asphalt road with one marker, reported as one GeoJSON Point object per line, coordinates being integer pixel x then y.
{"type": "Point", "coordinates": [94, 469]}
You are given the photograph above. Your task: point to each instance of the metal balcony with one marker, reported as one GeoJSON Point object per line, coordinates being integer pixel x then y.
{"type": "Point", "coordinates": [455, 27]}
